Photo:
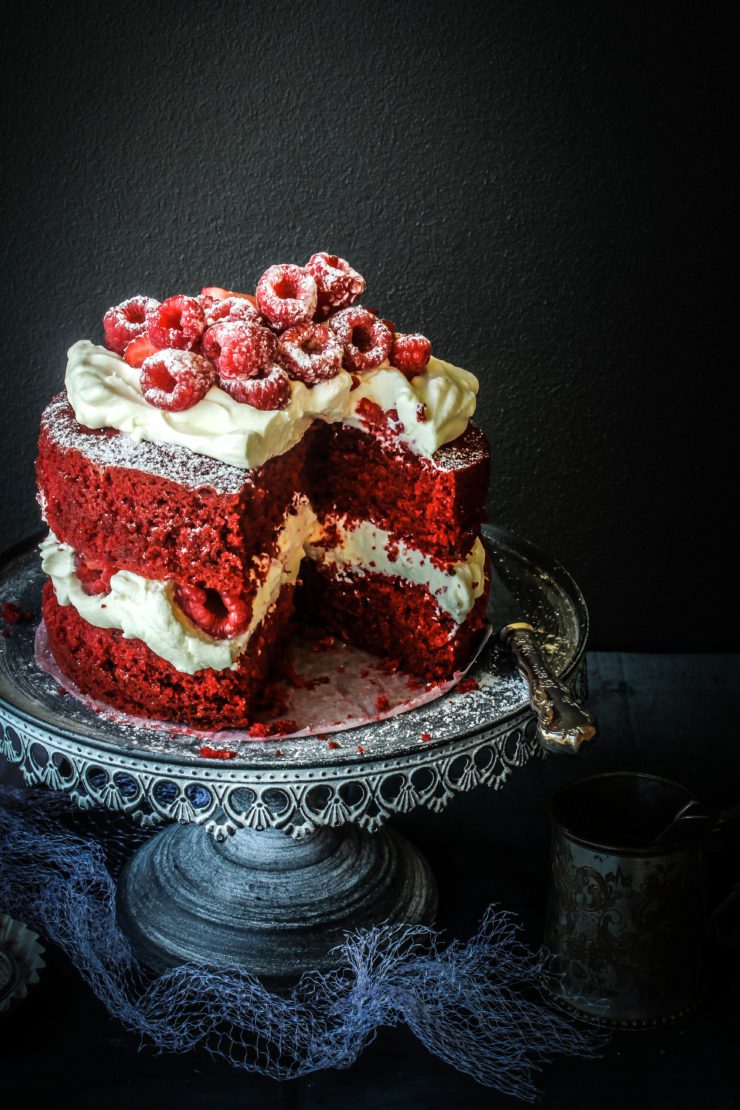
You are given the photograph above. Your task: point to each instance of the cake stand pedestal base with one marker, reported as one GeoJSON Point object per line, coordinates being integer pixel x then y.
{"type": "Point", "coordinates": [273, 905]}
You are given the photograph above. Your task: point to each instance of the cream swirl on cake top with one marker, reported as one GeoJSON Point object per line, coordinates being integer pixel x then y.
{"type": "Point", "coordinates": [433, 408]}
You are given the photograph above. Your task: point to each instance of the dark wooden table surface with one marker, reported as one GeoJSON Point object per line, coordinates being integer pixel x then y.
{"type": "Point", "coordinates": [674, 715]}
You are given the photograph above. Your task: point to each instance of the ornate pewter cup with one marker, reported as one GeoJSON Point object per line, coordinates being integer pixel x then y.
{"type": "Point", "coordinates": [625, 917]}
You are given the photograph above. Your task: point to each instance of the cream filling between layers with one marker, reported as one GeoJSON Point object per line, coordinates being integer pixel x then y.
{"type": "Point", "coordinates": [145, 609]}
{"type": "Point", "coordinates": [433, 408]}
{"type": "Point", "coordinates": [366, 548]}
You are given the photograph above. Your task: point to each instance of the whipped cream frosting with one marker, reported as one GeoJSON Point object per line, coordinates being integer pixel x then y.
{"type": "Point", "coordinates": [364, 547]}
{"type": "Point", "coordinates": [145, 609]}
{"type": "Point", "coordinates": [433, 408]}
{"type": "Point", "coordinates": [104, 392]}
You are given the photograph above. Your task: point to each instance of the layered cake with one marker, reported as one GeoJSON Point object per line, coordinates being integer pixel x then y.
{"type": "Point", "coordinates": [229, 464]}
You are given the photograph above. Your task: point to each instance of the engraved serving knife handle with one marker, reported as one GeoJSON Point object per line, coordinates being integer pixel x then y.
{"type": "Point", "coordinates": [562, 724]}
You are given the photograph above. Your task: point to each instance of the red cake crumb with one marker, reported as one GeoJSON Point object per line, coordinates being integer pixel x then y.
{"type": "Point", "coordinates": [13, 613]}
{"type": "Point", "coordinates": [425, 736]}
{"type": "Point", "coordinates": [333, 745]}
{"type": "Point", "coordinates": [259, 729]}
{"type": "Point", "coordinates": [216, 753]}
{"type": "Point", "coordinates": [467, 685]}
{"type": "Point", "coordinates": [278, 752]}
{"type": "Point", "coordinates": [360, 749]}
{"type": "Point", "coordinates": [284, 728]}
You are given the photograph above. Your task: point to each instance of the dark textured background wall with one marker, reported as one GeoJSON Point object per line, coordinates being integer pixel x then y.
{"type": "Point", "coordinates": [541, 188]}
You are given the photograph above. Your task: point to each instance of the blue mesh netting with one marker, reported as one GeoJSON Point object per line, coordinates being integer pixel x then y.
{"type": "Point", "coordinates": [478, 1005]}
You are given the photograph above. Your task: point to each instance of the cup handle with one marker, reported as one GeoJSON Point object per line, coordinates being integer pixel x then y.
{"type": "Point", "coordinates": [719, 927]}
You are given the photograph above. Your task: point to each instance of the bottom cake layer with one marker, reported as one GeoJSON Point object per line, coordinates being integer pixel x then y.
{"type": "Point", "coordinates": [392, 618]}
{"type": "Point", "coordinates": [129, 642]}
{"type": "Point", "coordinates": [126, 674]}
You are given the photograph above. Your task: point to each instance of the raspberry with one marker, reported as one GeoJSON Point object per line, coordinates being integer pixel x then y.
{"type": "Point", "coordinates": [176, 323]}
{"type": "Point", "coordinates": [124, 321]}
{"type": "Point", "coordinates": [367, 340]}
{"type": "Point", "coordinates": [337, 283]}
{"type": "Point", "coordinates": [94, 575]}
{"type": "Point", "coordinates": [310, 352]}
{"type": "Point", "coordinates": [286, 296]}
{"type": "Point", "coordinates": [239, 348]}
{"type": "Point", "coordinates": [221, 615]}
{"type": "Point", "coordinates": [138, 350]}
{"type": "Point", "coordinates": [271, 391]}
{"type": "Point", "coordinates": [230, 308]}
{"type": "Point", "coordinates": [411, 354]}
{"type": "Point", "coordinates": [176, 380]}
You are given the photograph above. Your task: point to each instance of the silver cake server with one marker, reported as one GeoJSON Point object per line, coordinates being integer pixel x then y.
{"type": "Point", "coordinates": [562, 724]}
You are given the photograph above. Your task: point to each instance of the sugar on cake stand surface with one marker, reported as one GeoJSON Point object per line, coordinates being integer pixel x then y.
{"type": "Point", "coordinates": [328, 874]}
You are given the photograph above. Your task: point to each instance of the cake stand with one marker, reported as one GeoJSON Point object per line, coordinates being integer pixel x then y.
{"type": "Point", "coordinates": [269, 858]}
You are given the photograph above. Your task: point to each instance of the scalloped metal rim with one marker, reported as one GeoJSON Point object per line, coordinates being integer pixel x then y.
{"type": "Point", "coordinates": [294, 798]}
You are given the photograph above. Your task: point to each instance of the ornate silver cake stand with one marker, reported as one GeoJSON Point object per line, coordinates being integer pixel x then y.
{"type": "Point", "coordinates": [270, 857]}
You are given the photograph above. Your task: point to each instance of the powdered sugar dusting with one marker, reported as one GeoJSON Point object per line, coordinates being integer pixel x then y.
{"type": "Point", "coordinates": [108, 448]}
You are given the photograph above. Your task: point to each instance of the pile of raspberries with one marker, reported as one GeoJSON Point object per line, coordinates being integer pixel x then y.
{"type": "Point", "coordinates": [301, 324]}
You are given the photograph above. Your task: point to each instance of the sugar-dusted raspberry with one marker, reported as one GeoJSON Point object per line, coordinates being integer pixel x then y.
{"type": "Point", "coordinates": [337, 283]}
{"type": "Point", "coordinates": [139, 350]}
{"type": "Point", "coordinates": [239, 348]}
{"type": "Point", "coordinates": [286, 296]}
{"type": "Point", "coordinates": [367, 340]}
{"type": "Point", "coordinates": [94, 574]}
{"type": "Point", "coordinates": [221, 615]}
{"type": "Point", "coordinates": [411, 354]}
{"type": "Point", "coordinates": [176, 324]}
{"type": "Point", "coordinates": [176, 380]}
{"type": "Point", "coordinates": [270, 390]}
{"type": "Point", "coordinates": [230, 308]}
{"type": "Point", "coordinates": [310, 352]}
{"type": "Point", "coordinates": [124, 321]}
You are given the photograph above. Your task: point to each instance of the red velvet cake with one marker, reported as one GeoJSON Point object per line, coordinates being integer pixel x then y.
{"type": "Point", "coordinates": [230, 459]}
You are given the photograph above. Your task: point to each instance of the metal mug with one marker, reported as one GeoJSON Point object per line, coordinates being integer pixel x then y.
{"type": "Point", "coordinates": [626, 918]}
